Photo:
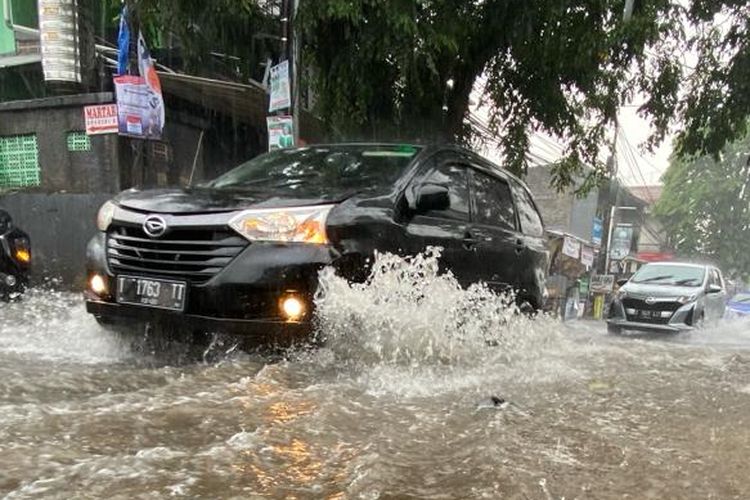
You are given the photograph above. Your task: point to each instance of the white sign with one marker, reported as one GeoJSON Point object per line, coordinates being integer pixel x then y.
{"type": "Point", "coordinates": [602, 283]}
{"type": "Point", "coordinates": [571, 247]}
{"type": "Point", "coordinates": [281, 97]}
{"type": "Point", "coordinates": [100, 119]}
{"type": "Point", "coordinates": [280, 132]}
{"type": "Point", "coordinates": [587, 256]}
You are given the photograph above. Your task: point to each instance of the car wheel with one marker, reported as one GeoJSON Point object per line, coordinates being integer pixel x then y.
{"type": "Point", "coordinates": [614, 329]}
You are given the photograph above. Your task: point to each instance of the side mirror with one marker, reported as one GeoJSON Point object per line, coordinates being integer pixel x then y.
{"type": "Point", "coordinates": [622, 281]}
{"type": "Point", "coordinates": [714, 289]}
{"type": "Point", "coordinates": [432, 197]}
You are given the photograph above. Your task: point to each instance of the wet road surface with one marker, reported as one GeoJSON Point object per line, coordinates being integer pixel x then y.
{"type": "Point", "coordinates": [396, 404]}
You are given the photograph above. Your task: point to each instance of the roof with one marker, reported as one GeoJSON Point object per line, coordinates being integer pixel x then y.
{"type": "Point", "coordinates": [648, 194]}
{"type": "Point", "coordinates": [9, 61]}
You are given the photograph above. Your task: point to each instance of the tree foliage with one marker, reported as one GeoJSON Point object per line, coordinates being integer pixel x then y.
{"type": "Point", "coordinates": [407, 69]}
{"type": "Point", "coordinates": [705, 207]}
{"type": "Point", "coordinates": [229, 38]}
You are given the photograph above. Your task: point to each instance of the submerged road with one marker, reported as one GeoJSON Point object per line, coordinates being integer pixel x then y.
{"type": "Point", "coordinates": [396, 404]}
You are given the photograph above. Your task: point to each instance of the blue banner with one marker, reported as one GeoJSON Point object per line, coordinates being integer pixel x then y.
{"type": "Point", "coordinates": [123, 42]}
{"type": "Point", "coordinates": [597, 231]}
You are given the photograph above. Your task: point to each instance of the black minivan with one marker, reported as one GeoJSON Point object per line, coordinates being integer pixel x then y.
{"type": "Point", "coordinates": [241, 254]}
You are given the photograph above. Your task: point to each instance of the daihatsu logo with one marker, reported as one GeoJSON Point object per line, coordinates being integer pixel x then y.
{"type": "Point", "coordinates": [154, 226]}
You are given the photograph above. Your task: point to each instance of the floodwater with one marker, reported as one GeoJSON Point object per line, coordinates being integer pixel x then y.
{"type": "Point", "coordinates": [397, 403]}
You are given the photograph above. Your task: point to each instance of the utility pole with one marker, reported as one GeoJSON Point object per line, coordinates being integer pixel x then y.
{"type": "Point", "coordinates": [614, 186]}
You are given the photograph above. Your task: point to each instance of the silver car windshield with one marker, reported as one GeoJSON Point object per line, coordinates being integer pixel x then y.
{"type": "Point", "coordinates": [670, 275]}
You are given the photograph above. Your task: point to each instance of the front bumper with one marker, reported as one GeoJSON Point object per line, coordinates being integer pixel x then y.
{"type": "Point", "coordinates": [262, 330]}
{"type": "Point", "coordinates": [679, 320]}
{"type": "Point", "coordinates": [241, 299]}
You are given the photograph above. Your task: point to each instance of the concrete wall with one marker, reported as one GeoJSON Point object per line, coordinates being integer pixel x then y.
{"type": "Point", "coordinates": [562, 211]}
{"type": "Point", "coordinates": [51, 119]}
{"type": "Point", "coordinates": [59, 226]}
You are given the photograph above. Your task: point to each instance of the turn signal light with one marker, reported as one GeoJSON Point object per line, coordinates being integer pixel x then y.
{"type": "Point", "coordinates": [98, 285]}
{"type": "Point", "coordinates": [23, 256]}
{"type": "Point", "coordinates": [292, 308]}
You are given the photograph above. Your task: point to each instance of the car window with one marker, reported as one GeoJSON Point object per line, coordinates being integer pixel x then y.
{"type": "Point", "coordinates": [454, 177]}
{"type": "Point", "coordinates": [531, 221]}
{"type": "Point", "coordinates": [670, 274]}
{"type": "Point", "coordinates": [715, 278]}
{"type": "Point", "coordinates": [493, 202]}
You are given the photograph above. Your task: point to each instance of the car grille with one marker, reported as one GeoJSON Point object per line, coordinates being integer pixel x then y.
{"type": "Point", "coordinates": [644, 312]}
{"type": "Point", "coordinates": [195, 255]}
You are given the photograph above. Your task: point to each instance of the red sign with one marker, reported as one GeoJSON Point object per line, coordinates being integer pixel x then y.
{"type": "Point", "coordinates": [101, 119]}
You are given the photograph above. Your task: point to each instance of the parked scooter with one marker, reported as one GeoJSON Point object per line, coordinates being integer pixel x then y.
{"type": "Point", "coordinates": [15, 258]}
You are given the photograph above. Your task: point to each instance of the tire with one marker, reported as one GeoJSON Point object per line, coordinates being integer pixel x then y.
{"type": "Point", "coordinates": [614, 329]}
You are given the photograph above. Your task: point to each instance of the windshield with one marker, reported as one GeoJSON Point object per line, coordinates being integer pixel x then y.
{"type": "Point", "coordinates": [670, 275]}
{"type": "Point", "coordinates": [348, 166]}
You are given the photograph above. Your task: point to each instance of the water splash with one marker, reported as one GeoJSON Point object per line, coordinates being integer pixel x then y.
{"type": "Point", "coordinates": [54, 325]}
{"type": "Point", "coordinates": [412, 327]}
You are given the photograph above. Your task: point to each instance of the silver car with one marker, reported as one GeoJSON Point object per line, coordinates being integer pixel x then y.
{"type": "Point", "coordinates": [668, 296]}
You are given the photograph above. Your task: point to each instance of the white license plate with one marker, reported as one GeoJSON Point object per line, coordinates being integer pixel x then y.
{"type": "Point", "coordinates": [148, 292]}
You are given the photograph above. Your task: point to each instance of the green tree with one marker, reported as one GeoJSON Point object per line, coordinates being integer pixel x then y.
{"type": "Point", "coordinates": [407, 69]}
{"type": "Point", "coordinates": [705, 207]}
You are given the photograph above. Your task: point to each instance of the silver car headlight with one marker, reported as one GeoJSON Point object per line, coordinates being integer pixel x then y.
{"type": "Point", "coordinates": [288, 225]}
{"type": "Point", "coordinates": [685, 299]}
{"type": "Point", "coordinates": [105, 215]}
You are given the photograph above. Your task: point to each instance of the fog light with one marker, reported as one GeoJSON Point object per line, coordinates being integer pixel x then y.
{"type": "Point", "coordinates": [10, 280]}
{"type": "Point", "coordinates": [98, 285]}
{"type": "Point", "coordinates": [292, 308]}
{"type": "Point", "coordinates": [23, 256]}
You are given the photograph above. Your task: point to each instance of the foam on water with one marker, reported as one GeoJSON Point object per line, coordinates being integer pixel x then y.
{"type": "Point", "coordinates": [54, 325]}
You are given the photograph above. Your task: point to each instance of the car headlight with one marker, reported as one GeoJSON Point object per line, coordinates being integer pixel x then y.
{"type": "Point", "coordinates": [300, 225]}
{"type": "Point", "coordinates": [684, 299]}
{"type": "Point", "coordinates": [105, 215]}
{"type": "Point", "coordinates": [621, 294]}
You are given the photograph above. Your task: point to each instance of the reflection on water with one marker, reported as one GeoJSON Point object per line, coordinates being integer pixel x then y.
{"type": "Point", "coordinates": [397, 403]}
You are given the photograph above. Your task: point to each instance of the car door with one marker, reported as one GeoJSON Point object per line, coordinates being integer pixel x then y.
{"type": "Point", "coordinates": [534, 257]}
{"type": "Point", "coordinates": [446, 228]}
{"type": "Point", "coordinates": [493, 236]}
{"type": "Point", "coordinates": [715, 301]}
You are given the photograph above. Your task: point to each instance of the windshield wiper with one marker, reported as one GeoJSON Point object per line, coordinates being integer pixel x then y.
{"type": "Point", "coordinates": [655, 278]}
{"type": "Point", "coordinates": [686, 281]}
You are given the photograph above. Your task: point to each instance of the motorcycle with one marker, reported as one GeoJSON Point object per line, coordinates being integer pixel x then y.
{"type": "Point", "coordinates": [15, 259]}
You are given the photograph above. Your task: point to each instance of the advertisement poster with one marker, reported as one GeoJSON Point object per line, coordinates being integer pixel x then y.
{"type": "Point", "coordinates": [100, 119]}
{"type": "Point", "coordinates": [587, 256]}
{"type": "Point", "coordinates": [280, 132]}
{"type": "Point", "coordinates": [281, 97]}
{"type": "Point", "coordinates": [571, 247]}
{"type": "Point", "coordinates": [139, 110]}
{"type": "Point", "coordinates": [597, 230]}
{"type": "Point", "coordinates": [602, 283]}
{"type": "Point", "coordinates": [622, 238]}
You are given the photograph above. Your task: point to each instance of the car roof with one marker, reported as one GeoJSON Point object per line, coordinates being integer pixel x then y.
{"type": "Point", "coordinates": [681, 264]}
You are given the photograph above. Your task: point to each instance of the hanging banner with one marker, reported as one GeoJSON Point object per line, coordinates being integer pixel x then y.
{"type": "Point", "coordinates": [59, 41]}
{"type": "Point", "coordinates": [123, 42]}
{"type": "Point", "coordinates": [281, 97]}
{"type": "Point", "coordinates": [597, 230]}
{"type": "Point", "coordinates": [571, 247]}
{"type": "Point", "coordinates": [587, 256]}
{"type": "Point", "coordinates": [100, 119]}
{"type": "Point", "coordinates": [622, 238]}
{"type": "Point", "coordinates": [139, 110]}
{"type": "Point", "coordinates": [280, 132]}
{"type": "Point", "coordinates": [148, 73]}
